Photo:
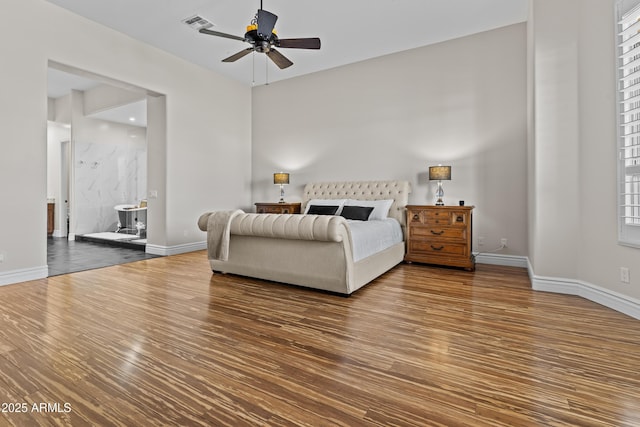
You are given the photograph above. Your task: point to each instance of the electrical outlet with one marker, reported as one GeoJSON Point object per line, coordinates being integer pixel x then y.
{"type": "Point", "coordinates": [624, 275]}
{"type": "Point", "coordinates": [481, 241]}
{"type": "Point", "coordinates": [503, 242]}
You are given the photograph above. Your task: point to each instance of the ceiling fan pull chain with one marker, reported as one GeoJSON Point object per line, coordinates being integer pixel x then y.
{"type": "Point", "coordinates": [253, 69]}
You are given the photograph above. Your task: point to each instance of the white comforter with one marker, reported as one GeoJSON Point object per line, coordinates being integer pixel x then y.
{"type": "Point", "coordinates": [370, 237]}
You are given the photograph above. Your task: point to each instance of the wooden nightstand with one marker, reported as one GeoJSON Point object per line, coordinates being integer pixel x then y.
{"type": "Point", "coordinates": [440, 235]}
{"type": "Point", "coordinates": [278, 208]}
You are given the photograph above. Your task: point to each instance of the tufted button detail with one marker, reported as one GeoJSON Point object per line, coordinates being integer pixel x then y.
{"type": "Point", "coordinates": [363, 190]}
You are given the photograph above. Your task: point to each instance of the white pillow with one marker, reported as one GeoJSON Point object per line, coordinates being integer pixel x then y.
{"type": "Point", "coordinates": [380, 207]}
{"type": "Point", "coordinates": [326, 202]}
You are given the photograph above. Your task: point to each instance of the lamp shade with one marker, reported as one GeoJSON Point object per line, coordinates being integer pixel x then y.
{"type": "Point", "coordinates": [439, 173]}
{"type": "Point", "coordinates": [280, 178]}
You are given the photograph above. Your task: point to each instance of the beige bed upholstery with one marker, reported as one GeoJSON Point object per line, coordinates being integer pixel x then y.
{"type": "Point", "coordinates": [363, 190]}
{"type": "Point", "coordinates": [311, 250]}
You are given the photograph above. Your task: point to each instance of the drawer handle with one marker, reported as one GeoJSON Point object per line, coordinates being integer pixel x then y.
{"type": "Point", "coordinates": [437, 233]}
{"type": "Point", "coordinates": [460, 219]}
{"type": "Point", "coordinates": [416, 217]}
{"type": "Point", "coordinates": [438, 248]}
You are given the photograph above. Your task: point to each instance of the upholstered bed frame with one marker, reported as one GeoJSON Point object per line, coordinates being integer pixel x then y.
{"type": "Point", "coordinates": [309, 250]}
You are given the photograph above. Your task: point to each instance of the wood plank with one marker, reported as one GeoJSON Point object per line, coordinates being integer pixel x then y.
{"type": "Point", "coordinates": [164, 342]}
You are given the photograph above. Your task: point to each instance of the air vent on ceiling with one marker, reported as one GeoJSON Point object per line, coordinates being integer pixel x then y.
{"type": "Point", "coordinates": [197, 22]}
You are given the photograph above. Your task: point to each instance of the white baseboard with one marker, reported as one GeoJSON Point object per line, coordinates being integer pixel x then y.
{"type": "Point", "coordinates": [608, 298]}
{"type": "Point", "coordinates": [24, 275]}
{"type": "Point", "coordinates": [498, 259]}
{"type": "Point", "coordinates": [175, 250]}
{"type": "Point", "coordinates": [27, 274]}
{"type": "Point", "coordinates": [58, 233]}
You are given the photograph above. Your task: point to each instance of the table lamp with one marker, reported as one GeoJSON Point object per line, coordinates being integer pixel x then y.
{"type": "Point", "coordinates": [281, 178]}
{"type": "Point", "coordinates": [439, 173]}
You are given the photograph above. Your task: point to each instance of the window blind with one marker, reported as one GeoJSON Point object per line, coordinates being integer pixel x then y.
{"type": "Point", "coordinates": [628, 45]}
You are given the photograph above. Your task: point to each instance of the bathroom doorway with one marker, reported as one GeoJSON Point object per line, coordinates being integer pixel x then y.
{"type": "Point", "coordinates": [98, 170]}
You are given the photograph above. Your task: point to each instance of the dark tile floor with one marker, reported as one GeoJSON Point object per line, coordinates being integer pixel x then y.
{"type": "Point", "coordinates": [64, 256]}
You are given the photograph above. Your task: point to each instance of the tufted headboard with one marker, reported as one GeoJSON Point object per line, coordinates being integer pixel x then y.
{"type": "Point", "coordinates": [363, 190]}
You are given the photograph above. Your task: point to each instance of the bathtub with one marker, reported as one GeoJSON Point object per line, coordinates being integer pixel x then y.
{"type": "Point", "coordinates": [131, 219]}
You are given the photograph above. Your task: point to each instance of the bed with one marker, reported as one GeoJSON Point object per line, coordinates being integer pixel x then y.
{"type": "Point", "coordinates": [316, 251]}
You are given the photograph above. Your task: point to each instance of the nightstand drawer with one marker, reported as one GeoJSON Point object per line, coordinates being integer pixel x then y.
{"type": "Point", "coordinates": [416, 217]}
{"type": "Point", "coordinates": [439, 248]}
{"type": "Point", "coordinates": [444, 233]}
{"type": "Point", "coordinates": [435, 217]}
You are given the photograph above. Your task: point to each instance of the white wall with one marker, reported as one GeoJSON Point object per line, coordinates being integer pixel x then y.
{"type": "Point", "coordinates": [601, 257]}
{"type": "Point", "coordinates": [208, 127]}
{"type": "Point", "coordinates": [556, 169]}
{"type": "Point", "coordinates": [461, 103]}
{"type": "Point", "coordinates": [574, 231]}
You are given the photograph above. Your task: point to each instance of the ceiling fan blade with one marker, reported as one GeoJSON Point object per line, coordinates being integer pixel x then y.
{"type": "Point", "coordinates": [279, 59]}
{"type": "Point", "coordinates": [308, 43]}
{"type": "Point", "coordinates": [266, 23]}
{"type": "Point", "coordinates": [219, 34]}
{"type": "Point", "coordinates": [238, 55]}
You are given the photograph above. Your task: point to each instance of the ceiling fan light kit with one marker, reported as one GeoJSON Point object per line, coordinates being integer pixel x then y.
{"type": "Point", "coordinates": [263, 38]}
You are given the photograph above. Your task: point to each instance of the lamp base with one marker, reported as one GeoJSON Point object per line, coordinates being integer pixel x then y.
{"type": "Point", "coordinates": [281, 201]}
{"type": "Point", "coordinates": [439, 195]}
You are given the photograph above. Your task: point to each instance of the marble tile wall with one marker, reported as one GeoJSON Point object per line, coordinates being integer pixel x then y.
{"type": "Point", "coordinates": [107, 174]}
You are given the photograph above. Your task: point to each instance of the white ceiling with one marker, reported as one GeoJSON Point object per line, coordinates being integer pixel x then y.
{"type": "Point", "coordinates": [350, 31]}
{"type": "Point", "coordinates": [134, 114]}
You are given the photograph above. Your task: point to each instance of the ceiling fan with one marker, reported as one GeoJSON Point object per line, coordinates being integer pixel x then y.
{"type": "Point", "coordinates": [263, 38]}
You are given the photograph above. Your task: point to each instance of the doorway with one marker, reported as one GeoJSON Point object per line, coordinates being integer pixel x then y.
{"type": "Point", "coordinates": [98, 165]}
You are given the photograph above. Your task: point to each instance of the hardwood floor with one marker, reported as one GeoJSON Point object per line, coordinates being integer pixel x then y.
{"type": "Point", "coordinates": [164, 342]}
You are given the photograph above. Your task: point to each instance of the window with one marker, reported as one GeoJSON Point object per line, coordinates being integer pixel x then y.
{"type": "Point", "coordinates": [628, 54]}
